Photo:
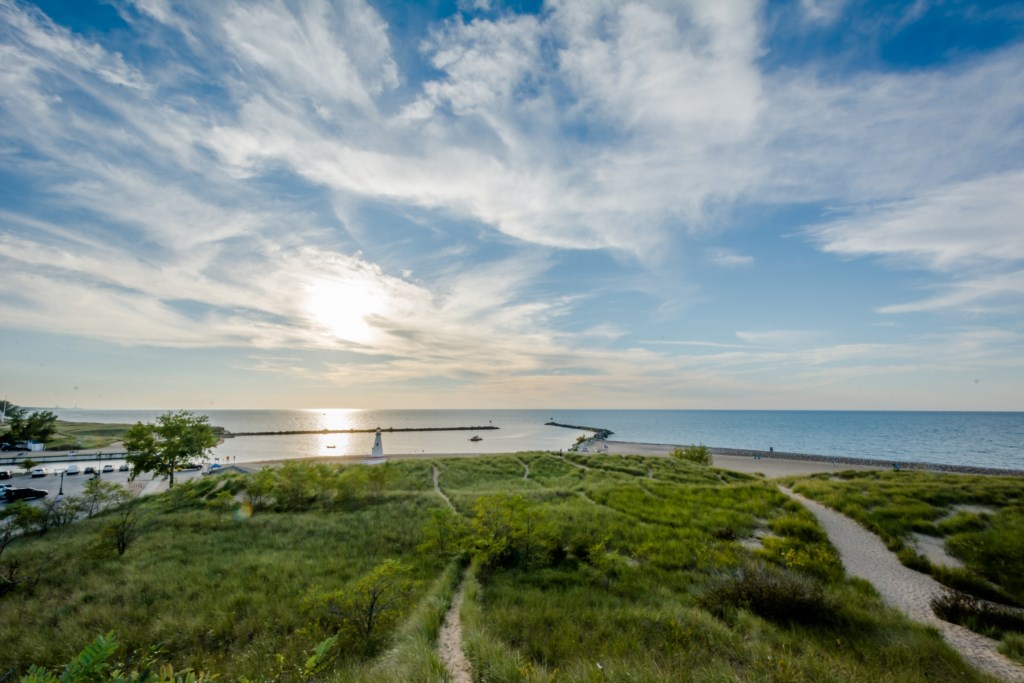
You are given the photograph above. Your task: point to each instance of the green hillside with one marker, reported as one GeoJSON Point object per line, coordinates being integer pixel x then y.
{"type": "Point", "coordinates": [598, 568]}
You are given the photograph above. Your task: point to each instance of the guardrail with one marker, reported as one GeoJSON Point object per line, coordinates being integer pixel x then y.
{"type": "Point", "coordinates": [42, 457]}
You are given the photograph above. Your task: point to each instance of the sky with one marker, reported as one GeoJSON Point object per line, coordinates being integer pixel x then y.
{"type": "Point", "coordinates": [720, 204]}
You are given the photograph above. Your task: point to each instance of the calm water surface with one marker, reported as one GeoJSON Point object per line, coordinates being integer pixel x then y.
{"type": "Point", "coordinates": [980, 439]}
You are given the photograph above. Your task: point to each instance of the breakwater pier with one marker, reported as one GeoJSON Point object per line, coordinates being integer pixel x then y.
{"type": "Point", "coordinates": [383, 430]}
{"type": "Point", "coordinates": [599, 433]}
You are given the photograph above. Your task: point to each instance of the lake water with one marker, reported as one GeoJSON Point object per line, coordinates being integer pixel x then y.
{"type": "Point", "coordinates": [952, 438]}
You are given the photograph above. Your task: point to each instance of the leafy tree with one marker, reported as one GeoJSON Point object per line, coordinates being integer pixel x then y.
{"type": "Point", "coordinates": [175, 439]}
{"type": "Point", "coordinates": [123, 528]}
{"type": "Point", "coordinates": [24, 426]}
{"type": "Point", "coordinates": [444, 533]}
{"type": "Point", "coordinates": [18, 519]}
{"type": "Point", "coordinates": [259, 489]}
{"type": "Point", "coordinates": [365, 613]}
{"type": "Point", "coordinates": [98, 494]}
{"type": "Point", "coordinates": [509, 531]}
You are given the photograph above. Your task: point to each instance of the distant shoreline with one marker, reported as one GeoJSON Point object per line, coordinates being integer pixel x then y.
{"type": "Point", "coordinates": [622, 447]}
{"type": "Point", "coordinates": [771, 464]}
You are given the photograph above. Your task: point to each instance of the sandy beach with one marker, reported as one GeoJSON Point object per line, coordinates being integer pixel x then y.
{"type": "Point", "coordinates": [770, 467]}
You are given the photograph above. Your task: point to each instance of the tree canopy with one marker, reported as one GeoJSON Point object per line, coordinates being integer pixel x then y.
{"type": "Point", "coordinates": [176, 439]}
{"type": "Point", "coordinates": [39, 425]}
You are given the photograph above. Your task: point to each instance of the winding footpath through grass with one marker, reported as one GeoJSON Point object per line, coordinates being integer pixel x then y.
{"type": "Point", "coordinates": [437, 488]}
{"type": "Point", "coordinates": [449, 640]}
{"type": "Point", "coordinates": [865, 556]}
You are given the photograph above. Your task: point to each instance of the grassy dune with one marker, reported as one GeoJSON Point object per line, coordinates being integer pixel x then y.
{"type": "Point", "coordinates": [588, 569]}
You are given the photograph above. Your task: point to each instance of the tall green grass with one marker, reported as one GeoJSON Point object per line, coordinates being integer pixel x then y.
{"type": "Point", "coordinates": [592, 568]}
{"type": "Point", "coordinates": [896, 504]}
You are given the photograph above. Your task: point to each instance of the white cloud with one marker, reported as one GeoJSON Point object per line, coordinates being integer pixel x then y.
{"type": "Point", "coordinates": [822, 11]}
{"type": "Point", "coordinates": [949, 227]}
{"type": "Point", "coordinates": [777, 337]}
{"type": "Point", "coordinates": [727, 258]}
{"type": "Point", "coordinates": [970, 229]}
{"type": "Point", "coordinates": [978, 294]}
{"type": "Point", "coordinates": [598, 125]}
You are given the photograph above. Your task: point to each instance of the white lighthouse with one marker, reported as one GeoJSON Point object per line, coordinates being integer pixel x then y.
{"type": "Point", "coordinates": [378, 447]}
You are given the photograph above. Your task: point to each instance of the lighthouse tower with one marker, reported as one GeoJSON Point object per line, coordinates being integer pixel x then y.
{"type": "Point", "coordinates": [378, 447]}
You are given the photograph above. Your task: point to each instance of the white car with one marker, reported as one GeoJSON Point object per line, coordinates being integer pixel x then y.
{"type": "Point", "coordinates": [108, 468]}
{"type": "Point", "coordinates": [72, 469]}
{"type": "Point", "coordinates": [38, 472]}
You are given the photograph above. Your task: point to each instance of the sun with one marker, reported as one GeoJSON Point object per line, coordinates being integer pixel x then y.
{"type": "Point", "coordinates": [342, 307]}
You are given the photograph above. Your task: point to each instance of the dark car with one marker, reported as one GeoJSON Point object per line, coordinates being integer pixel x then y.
{"type": "Point", "coordinates": [89, 469]}
{"type": "Point", "coordinates": [23, 494]}
{"type": "Point", "coordinates": [5, 474]}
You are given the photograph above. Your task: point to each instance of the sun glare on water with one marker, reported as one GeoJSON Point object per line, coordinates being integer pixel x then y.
{"type": "Point", "coordinates": [341, 307]}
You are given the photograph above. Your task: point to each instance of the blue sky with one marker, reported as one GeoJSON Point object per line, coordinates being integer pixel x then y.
{"type": "Point", "coordinates": [814, 204]}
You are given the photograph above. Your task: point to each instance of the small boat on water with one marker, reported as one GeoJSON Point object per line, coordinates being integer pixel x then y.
{"type": "Point", "coordinates": [477, 437]}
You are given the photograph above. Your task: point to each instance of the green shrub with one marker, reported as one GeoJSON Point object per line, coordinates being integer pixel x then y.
{"type": "Point", "coordinates": [699, 455]}
{"type": "Point", "coordinates": [983, 617]}
{"type": "Point", "coordinates": [773, 593]}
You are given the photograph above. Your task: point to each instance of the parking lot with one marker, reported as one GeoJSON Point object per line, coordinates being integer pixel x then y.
{"type": "Point", "coordinates": [74, 483]}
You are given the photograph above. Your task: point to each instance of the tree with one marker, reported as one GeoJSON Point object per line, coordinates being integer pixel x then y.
{"type": "Point", "coordinates": [175, 439]}
{"type": "Point", "coordinates": [24, 426]}
{"type": "Point", "coordinates": [98, 494]}
{"type": "Point", "coordinates": [364, 613]}
{"type": "Point", "coordinates": [510, 531]}
{"type": "Point", "coordinates": [444, 533]}
{"type": "Point", "coordinates": [122, 529]}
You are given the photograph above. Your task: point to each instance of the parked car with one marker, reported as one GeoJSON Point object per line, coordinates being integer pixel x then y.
{"type": "Point", "coordinates": [123, 467]}
{"type": "Point", "coordinates": [38, 472]}
{"type": "Point", "coordinates": [108, 468]}
{"type": "Point", "coordinates": [5, 474]}
{"type": "Point", "coordinates": [89, 469]}
{"type": "Point", "coordinates": [72, 469]}
{"type": "Point", "coordinates": [23, 494]}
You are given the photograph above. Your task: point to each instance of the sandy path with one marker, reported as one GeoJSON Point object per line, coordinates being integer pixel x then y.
{"type": "Point", "coordinates": [865, 556]}
{"type": "Point", "coordinates": [449, 641]}
{"type": "Point", "coordinates": [526, 468]}
{"type": "Point", "coordinates": [437, 488]}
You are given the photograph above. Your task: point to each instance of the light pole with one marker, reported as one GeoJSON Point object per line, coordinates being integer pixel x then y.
{"type": "Point", "coordinates": [61, 492]}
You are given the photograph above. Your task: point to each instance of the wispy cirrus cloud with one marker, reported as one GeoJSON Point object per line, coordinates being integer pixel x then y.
{"type": "Point", "coordinates": [214, 197]}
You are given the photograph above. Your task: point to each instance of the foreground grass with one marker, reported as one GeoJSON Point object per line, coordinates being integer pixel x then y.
{"type": "Point", "coordinates": [72, 435]}
{"type": "Point", "coordinates": [209, 588]}
{"type": "Point", "coordinates": [584, 569]}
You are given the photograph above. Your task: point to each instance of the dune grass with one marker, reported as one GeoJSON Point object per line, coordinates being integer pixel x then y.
{"type": "Point", "coordinates": [978, 517]}
{"type": "Point", "coordinates": [588, 569]}
{"type": "Point", "coordinates": [72, 435]}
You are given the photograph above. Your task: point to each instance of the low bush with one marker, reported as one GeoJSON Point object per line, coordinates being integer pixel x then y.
{"type": "Point", "coordinates": [699, 455]}
{"type": "Point", "coordinates": [773, 593]}
{"type": "Point", "coordinates": [980, 616]}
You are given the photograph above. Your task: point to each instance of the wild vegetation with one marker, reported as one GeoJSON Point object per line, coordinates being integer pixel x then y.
{"type": "Point", "coordinates": [977, 519]}
{"type": "Point", "coordinates": [577, 568]}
